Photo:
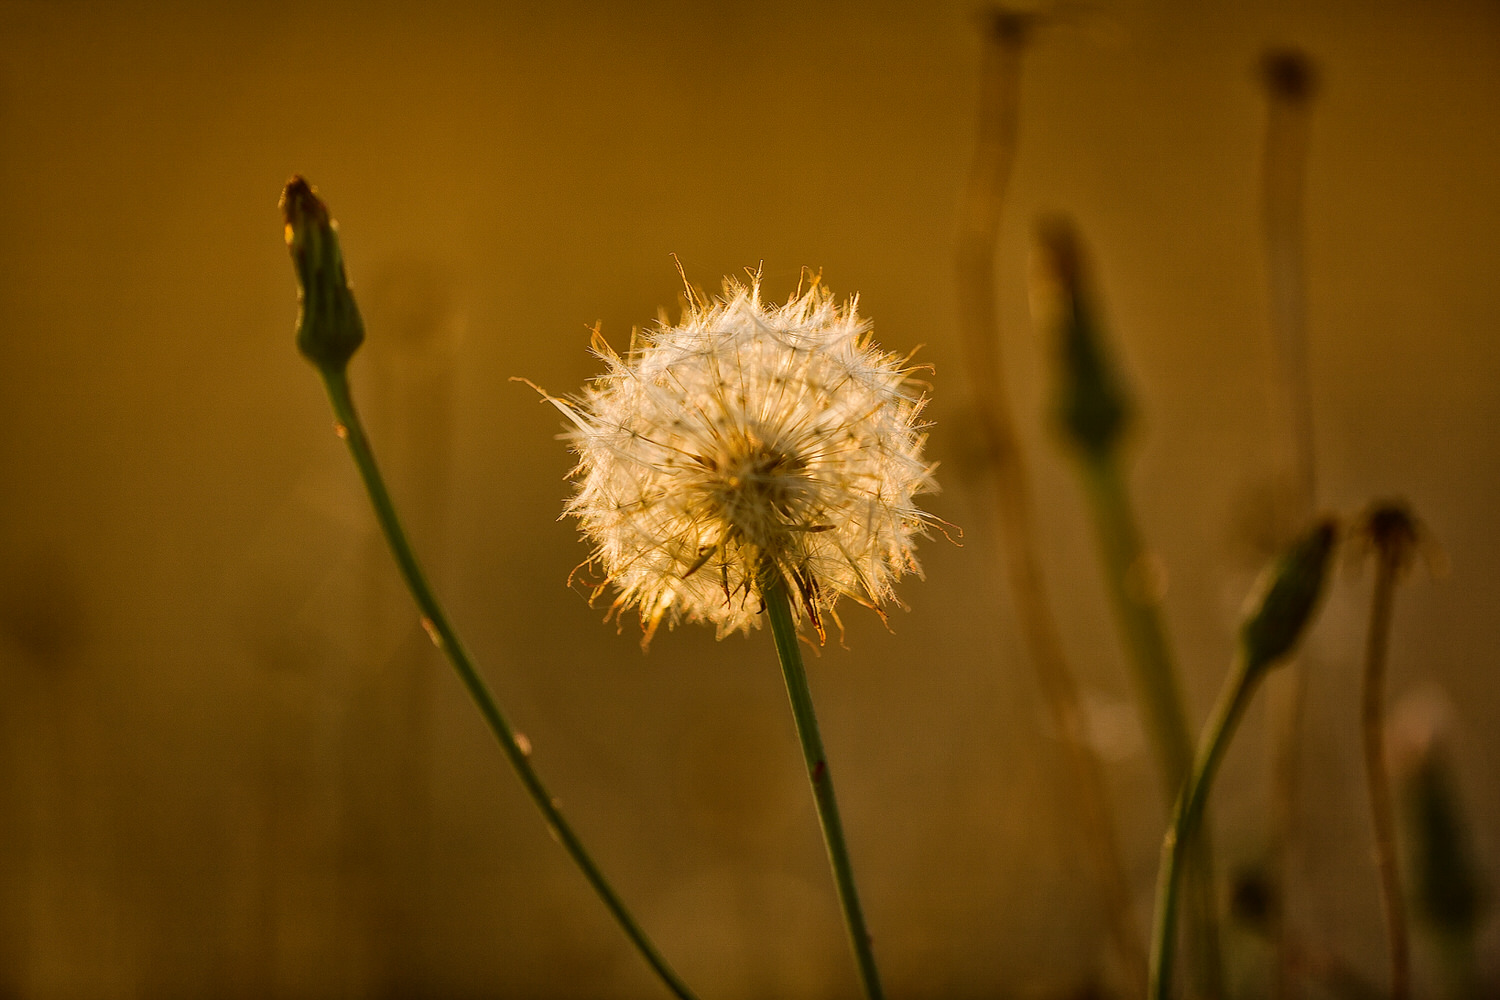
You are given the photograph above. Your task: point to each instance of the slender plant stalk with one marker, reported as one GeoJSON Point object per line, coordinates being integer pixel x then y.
{"type": "Point", "coordinates": [329, 332]}
{"type": "Point", "coordinates": [435, 620]}
{"type": "Point", "coordinates": [1290, 83]}
{"type": "Point", "coordinates": [1094, 411]}
{"type": "Point", "coordinates": [1188, 814]}
{"type": "Point", "coordinates": [1005, 38]}
{"type": "Point", "coordinates": [784, 630]}
{"type": "Point", "coordinates": [1379, 779]}
{"type": "Point", "coordinates": [1147, 648]}
{"type": "Point", "coordinates": [1138, 613]}
{"type": "Point", "coordinates": [1392, 532]}
{"type": "Point", "coordinates": [1267, 637]}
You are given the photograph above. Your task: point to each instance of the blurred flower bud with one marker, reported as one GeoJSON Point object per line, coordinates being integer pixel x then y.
{"type": "Point", "coordinates": [1447, 888]}
{"type": "Point", "coordinates": [1290, 596]}
{"type": "Point", "coordinates": [1092, 406]}
{"type": "Point", "coordinates": [329, 328]}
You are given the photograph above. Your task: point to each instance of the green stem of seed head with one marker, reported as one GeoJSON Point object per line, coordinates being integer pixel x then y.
{"type": "Point", "coordinates": [1094, 412]}
{"type": "Point", "coordinates": [784, 631]}
{"type": "Point", "coordinates": [1295, 587]}
{"type": "Point", "coordinates": [329, 330]}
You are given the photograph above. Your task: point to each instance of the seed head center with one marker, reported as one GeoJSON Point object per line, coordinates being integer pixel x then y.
{"type": "Point", "coordinates": [759, 490]}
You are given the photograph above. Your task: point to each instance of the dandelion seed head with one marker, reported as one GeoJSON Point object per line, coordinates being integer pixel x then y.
{"type": "Point", "coordinates": [745, 439]}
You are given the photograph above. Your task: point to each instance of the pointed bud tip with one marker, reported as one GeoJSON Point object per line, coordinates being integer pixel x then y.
{"type": "Point", "coordinates": [299, 200]}
{"type": "Point", "coordinates": [329, 328]}
{"type": "Point", "coordinates": [1291, 595]}
{"type": "Point", "coordinates": [1093, 408]}
{"type": "Point", "coordinates": [301, 207]}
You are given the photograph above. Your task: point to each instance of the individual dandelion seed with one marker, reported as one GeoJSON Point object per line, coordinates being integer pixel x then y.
{"type": "Point", "coordinates": [750, 438]}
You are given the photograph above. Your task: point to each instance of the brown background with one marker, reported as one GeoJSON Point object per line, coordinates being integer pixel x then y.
{"type": "Point", "coordinates": [231, 765]}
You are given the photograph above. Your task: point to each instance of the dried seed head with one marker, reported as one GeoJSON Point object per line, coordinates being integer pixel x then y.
{"type": "Point", "coordinates": [750, 437]}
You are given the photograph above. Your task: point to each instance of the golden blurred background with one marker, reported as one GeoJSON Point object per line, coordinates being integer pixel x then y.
{"type": "Point", "coordinates": [232, 765]}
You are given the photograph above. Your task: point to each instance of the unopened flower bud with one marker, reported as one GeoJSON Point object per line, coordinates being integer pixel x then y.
{"type": "Point", "coordinates": [329, 328]}
{"type": "Point", "coordinates": [1092, 406]}
{"type": "Point", "coordinates": [1447, 886]}
{"type": "Point", "coordinates": [1292, 591]}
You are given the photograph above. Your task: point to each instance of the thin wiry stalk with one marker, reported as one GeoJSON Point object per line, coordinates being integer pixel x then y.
{"type": "Point", "coordinates": [1005, 41]}
{"type": "Point", "coordinates": [1094, 412]}
{"type": "Point", "coordinates": [1379, 779]}
{"type": "Point", "coordinates": [443, 635]}
{"type": "Point", "coordinates": [784, 630]}
{"type": "Point", "coordinates": [1290, 82]}
{"type": "Point", "coordinates": [1148, 650]}
{"type": "Point", "coordinates": [1393, 534]}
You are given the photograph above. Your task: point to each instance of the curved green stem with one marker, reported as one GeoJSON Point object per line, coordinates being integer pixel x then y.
{"type": "Point", "coordinates": [1270, 634]}
{"type": "Point", "coordinates": [435, 620]}
{"type": "Point", "coordinates": [1187, 815]}
{"type": "Point", "coordinates": [1150, 654]}
{"type": "Point", "coordinates": [784, 629]}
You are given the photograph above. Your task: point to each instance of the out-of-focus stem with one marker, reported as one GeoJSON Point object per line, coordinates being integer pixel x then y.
{"type": "Point", "coordinates": [1393, 534]}
{"type": "Point", "coordinates": [1186, 817]}
{"type": "Point", "coordinates": [1290, 82]}
{"type": "Point", "coordinates": [784, 630]}
{"type": "Point", "coordinates": [1005, 39]}
{"type": "Point", "coordinates": [1093, 412]}
{"type": "Point", "coordinates": [1127, 576]}
{"type": "Point", "coordinates": [1379, 779]}
{"type": "Point", "coordinates": [1268, 636]}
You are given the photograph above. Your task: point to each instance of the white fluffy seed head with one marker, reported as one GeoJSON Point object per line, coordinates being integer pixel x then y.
{"type": "Point", "coordinates": [746, 439]}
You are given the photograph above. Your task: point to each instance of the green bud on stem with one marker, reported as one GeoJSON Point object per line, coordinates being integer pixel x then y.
{"type": "Point", "coordinates": [1292, 591]}
{"type": "Point", "coordinates": [1092, 406]}
{"type": "Point", "coordinates": [1446, 883]}
{"type": "Point", "coordinates": [329, 328]}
